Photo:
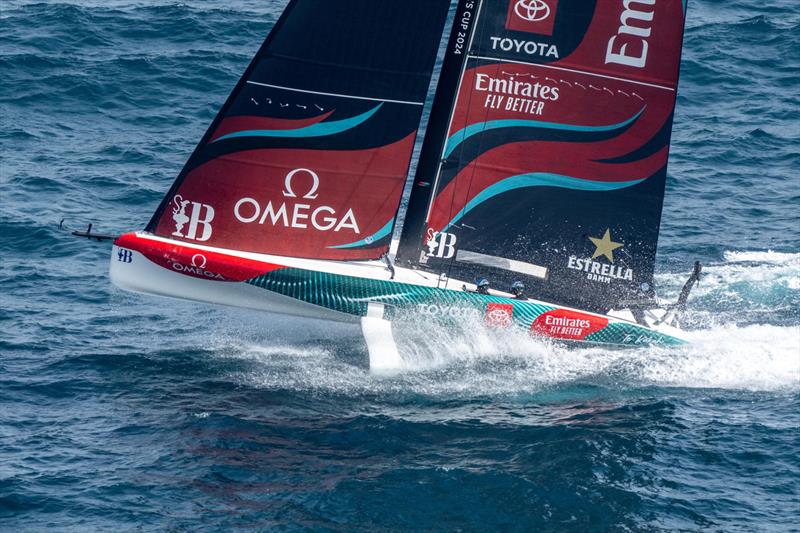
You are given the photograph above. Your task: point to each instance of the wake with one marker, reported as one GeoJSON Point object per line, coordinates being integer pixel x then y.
{"type": "Point", "coordinates": [744, 332]}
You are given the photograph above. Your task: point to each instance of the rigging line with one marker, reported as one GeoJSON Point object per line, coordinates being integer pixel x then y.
{"type": "Point", "coordinates": [585, 72]}
{"type": "Point", "coordinates": [435, 184]}
{"type": "Point", "coordinates": [474, 163]}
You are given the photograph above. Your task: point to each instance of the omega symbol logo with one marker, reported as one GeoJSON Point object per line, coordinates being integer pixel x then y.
{"type": "Point", "coordinates": [532, 10]}
{"type": "Point", "coordinates": [287, 184]}
{"type": "Point", "coordinates": [199, 261]}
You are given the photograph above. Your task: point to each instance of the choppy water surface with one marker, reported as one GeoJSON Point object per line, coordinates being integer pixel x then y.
{"type": "Point", "coordinates": [120, 411]}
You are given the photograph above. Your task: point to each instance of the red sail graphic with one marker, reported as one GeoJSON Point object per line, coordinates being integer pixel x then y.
{"type": "Point", "coordinates": [556, 152]}
{"type": "Point", "coordinates": [309, 154]}
{"type": "Point", "coordinates": [300, 203]}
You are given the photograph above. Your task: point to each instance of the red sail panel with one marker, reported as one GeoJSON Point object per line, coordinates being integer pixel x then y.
{"type": "Point", "coordinates": [497, 101]}
{"type": "Point", "coordinates": [557, 149]}
{"type": "Point", "coordinates": [327, 209]}
{"type": "Point", "coordinates": [309, 155]}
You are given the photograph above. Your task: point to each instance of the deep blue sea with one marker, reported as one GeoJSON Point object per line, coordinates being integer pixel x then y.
{"type": "Point", "coordinates": [124, 412]}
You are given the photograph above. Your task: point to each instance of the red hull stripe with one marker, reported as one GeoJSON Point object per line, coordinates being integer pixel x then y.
{"type": "Point", "coordinates": [194, 262]}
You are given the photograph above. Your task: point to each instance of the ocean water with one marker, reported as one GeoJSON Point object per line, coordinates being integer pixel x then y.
{"type": "Point", "coordinates": [126, 412]}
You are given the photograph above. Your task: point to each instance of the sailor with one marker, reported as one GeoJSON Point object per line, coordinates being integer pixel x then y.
{"type": "Point", "coordinates": [518, 290]}
{"type": "Point", "coordinates": [482, 286]}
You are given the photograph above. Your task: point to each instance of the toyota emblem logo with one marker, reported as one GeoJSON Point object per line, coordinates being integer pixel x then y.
{"type": "Point", "coordinates": [532, 10]}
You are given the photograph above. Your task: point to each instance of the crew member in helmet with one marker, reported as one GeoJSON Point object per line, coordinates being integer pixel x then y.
{"type": "Point", "coordinates": [482, 286]}
{"type": "Point", "coordinates": [518, 290]}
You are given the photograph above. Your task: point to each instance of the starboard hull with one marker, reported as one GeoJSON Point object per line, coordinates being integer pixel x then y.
{"type": "Point", "coordinates": [143, 263]}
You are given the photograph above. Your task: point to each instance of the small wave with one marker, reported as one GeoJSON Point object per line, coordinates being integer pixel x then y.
{"type": "Point", "coordinates": [791, 259]}
{"type": "Point", "coordinates": [747, 288]}
{"type": "Point", "coordinates": [743, 270]}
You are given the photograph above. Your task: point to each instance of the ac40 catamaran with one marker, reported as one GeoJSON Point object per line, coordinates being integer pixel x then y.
{"type": "Point", "coordinates": [535, 204]}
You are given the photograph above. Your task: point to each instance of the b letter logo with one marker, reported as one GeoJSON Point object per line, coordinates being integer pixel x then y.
{"type": "Point", "coordinates": [200, 216]}
{"type": "Point", "coordinates": [124, 256]}
{"type": "Point", "coordinates": [441, 245]}
{"type": "Point", "coordinates": [532, 16]}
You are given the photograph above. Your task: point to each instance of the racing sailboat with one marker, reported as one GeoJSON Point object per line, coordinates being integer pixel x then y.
{"type": "Point", "coordinates": [536, 201]}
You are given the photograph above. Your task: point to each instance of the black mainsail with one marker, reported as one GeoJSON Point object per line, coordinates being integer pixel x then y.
{"type": "Point", "coordinates": [552, 166]}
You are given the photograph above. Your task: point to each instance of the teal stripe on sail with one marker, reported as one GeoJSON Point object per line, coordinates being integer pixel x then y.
{"type": "Point", "coordinates": [320, 129]}
{"type": "Point", "coordinates": [381, 233]}
{"type": "Point", "coordinates": [539, 179]}
{"type": "Point", "coordinates": [473, 129]}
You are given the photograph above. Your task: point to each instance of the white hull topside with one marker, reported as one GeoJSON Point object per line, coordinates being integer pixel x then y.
{"type": "Point", "coordinates": [144, 276]}
{"type": "Point", "coordinates": [189, 274]}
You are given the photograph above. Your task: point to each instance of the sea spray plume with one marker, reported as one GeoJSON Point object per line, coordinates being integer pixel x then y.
{"type": "Point", "coordinates": [731, 349]}
{"type": "Point", "coordinates": [468, 360]}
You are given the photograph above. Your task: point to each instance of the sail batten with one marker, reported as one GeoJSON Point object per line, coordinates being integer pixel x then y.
{"type": "Point", "coordinates": [576, 71]}
{"type": "Point", "coordinates": [354, 97]}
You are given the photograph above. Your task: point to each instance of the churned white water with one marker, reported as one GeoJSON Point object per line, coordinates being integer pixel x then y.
{"type": "Point", "coordinates": [729, 348]}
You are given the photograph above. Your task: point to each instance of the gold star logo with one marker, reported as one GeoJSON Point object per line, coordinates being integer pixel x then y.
{"type": "Point", "coordinates": [605, 246]}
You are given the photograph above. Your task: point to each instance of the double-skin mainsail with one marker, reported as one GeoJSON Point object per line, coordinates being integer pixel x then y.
{"type": "Point", "coordinates": [546, 155]}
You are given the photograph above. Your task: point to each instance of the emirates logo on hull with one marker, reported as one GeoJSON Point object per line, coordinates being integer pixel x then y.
{"type": "Point", "coordinates": [567, 324]}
